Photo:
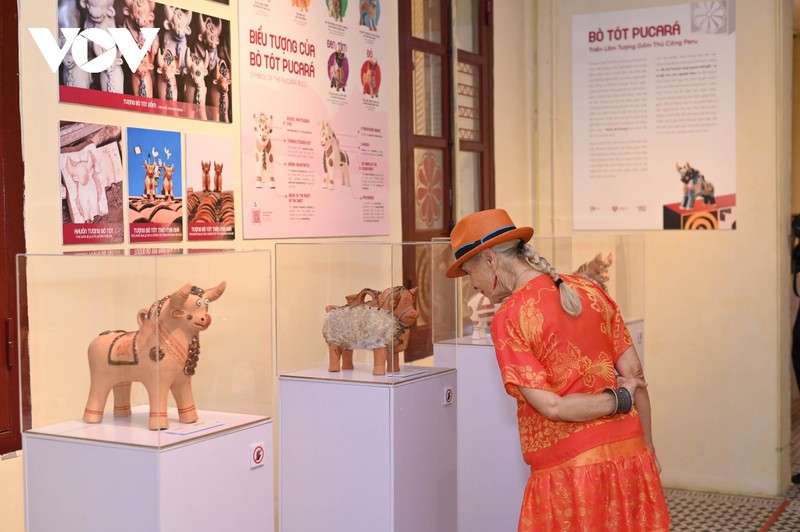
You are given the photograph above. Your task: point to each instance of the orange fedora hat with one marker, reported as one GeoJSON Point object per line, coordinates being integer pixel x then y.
{"type": "Point", "coordinates": [481, 230]}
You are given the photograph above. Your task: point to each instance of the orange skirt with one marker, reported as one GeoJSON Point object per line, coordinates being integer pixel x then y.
{"type": "Point", "coordinates": [612, 487]}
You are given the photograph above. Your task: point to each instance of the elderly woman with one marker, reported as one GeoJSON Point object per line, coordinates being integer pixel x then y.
{"type": "Point", "coordinates": [566, 356]}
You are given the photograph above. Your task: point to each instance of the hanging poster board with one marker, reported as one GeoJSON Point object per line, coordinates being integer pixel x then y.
{"type": "Point", "coordinates": [654, 125]}
{"type": "Point", "coordinates": [314, 118]}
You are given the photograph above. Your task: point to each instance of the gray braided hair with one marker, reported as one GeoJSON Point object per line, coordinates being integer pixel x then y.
{"type": "Point", "coordinates": [570, 301]}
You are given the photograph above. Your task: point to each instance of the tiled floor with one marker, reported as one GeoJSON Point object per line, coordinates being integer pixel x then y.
{"type": "Point", "coordinates": [695, 512]}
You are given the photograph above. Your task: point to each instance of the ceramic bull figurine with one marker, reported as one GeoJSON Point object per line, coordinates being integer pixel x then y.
{"type": "Point", "coordinates": [597, 269]}
{"type": "Point", "coordinates": [380, 321]}
{"type": "Point", "coordinates": [162, 355]}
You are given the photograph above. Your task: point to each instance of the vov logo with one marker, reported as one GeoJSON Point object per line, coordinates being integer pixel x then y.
{"type": "Point", "coordinates": [109, 39]}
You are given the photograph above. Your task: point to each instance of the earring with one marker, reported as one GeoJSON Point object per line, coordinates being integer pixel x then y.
{"type": "Point", "coordinates": [494, 285]}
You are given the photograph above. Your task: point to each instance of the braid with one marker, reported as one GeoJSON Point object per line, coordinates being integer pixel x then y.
{"type": "Point", "coordinates": [570, 300]}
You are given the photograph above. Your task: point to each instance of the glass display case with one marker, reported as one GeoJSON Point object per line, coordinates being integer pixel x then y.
{"type": "Point", "coordinates": [615, 261]}
{"type": "Point", "coordinates": [371, 443]}
{"type": "Point", "coordinates": [325, 285]}
{"type": "Point", "coordinates": [142, 365]}
{"type": "Point", "coordinates": [70, 300]}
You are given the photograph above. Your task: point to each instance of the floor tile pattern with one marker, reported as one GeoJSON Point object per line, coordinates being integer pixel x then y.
{"type": "Point", "coordinates": [789, 519]}
{"type": "Point", "coordinates": [696, 512]}
{"type": "Point", "coordinates": [714, 512]}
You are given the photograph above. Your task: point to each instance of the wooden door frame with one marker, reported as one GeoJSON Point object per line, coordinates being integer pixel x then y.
{"type": "Point", "coordinates": [12, 194]}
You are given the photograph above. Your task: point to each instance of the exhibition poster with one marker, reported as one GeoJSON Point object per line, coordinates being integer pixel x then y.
{"type": "Point", "coordinates": [155, 186]}
{"type": "Point", "coordinates": [90, 165]}
{"type": "Point", "coordinates": [314, 121]}
{"type": "Point", "coordinates": [169, 61]}
{"type": "Point", "coordinates": [209, 195]}
{"type": "Point", "coordinates": [654, 125]}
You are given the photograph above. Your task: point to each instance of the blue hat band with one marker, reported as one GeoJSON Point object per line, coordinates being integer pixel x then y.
{"type": "Point", "coordinates": [466, 248]}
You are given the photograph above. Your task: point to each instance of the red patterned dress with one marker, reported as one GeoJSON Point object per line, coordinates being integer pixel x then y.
{"type": "Point", "coordinates": [585, 476]}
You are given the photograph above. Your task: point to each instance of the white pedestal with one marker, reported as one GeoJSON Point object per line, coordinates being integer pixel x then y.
{"type": "Point", "coordinates": [364, 453]}
{"type": "Point", "coordinates": [491, 472]}
{"type": "Point", "coordinates": [206, 480]}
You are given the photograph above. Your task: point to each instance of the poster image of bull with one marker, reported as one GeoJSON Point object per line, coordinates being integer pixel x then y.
{"type": "Point", "coordinates": [371, 77]}
{"type": "Point", "coordinates": [209, 188]}
{"type": "Point", "coordinates": [701, 206]}
{"type": "Point", "coordinates": [185, 70]}
{"type": "Point", "coordinates": [155, 192]}
{"type": "Point", "coordinates": [90, 164]}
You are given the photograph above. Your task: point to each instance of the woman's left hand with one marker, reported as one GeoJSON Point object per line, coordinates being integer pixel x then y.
{"type": "Point", "coordinates": [631, 383]}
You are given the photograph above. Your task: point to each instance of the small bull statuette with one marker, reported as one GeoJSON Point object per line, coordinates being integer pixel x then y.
{"type": "Point", "coordinates": [162, 355]}
{"type": "Point", "coordinates": [380, 321]}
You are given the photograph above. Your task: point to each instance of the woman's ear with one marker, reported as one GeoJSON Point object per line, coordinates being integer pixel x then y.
{"type": "Point", "coordinates": [490, 257]}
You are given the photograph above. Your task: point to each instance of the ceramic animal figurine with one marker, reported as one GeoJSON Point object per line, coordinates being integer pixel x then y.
{"type": "Point", "coordinates": [138, 14]}
{"type": "Point", "coordinates": [217, 176]}
{"type": "Point", "coordinates": [302, 4]}
{"type": "Point", "coordinates": [72, 75]}
{"type": "Point", "coordinates": [379, 321]}
{"type": "Point", "coordinates": [264, 160]}
{"type": "Point", "coordinates": [100, 15]}
{"type": "Point", "coordinates": [206, 179]}
{"type": "Point", "coordinates": [333, 157]}
{"type": "Point", "coordinates": [167, 68]}
{"type": "Point", "coordinates": [177, 23]}
{"type": "Point", "coordinates": [167, 187]}
{"type": "Point", "coordinates": [195, 70]}
{"type": "Point", "coordinates": [150, 180]}
{"type": "Point", "coordinates": [88, 187]}
{"type": "Point", "coordinates": [142, 78]}
{"type": "Point", "coordinates": [337, 70]}
{"type": "Point", "coordinates": [369, 78]}
{"type": "Point", "coordinates": [218, 96]}
{"type": "Point", "coordinates": [335, 10]}
{"type": "Point", "coordinates": [369, 9]}
{"type": "Point", "coordinates": [162, 354]}
{"type": "Point", "coordinates": [112, 79]}
{"type": "Point", "coordinates": [597, 269]}
{"type": "Point", "coordinates": [481, 312]}
{"type": "Point", "coordinates": [207, 44]}
{"type": "Point", "coordinates": [694, 186]}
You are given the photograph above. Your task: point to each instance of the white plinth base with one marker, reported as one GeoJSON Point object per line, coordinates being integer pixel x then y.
{"type": "Point", "coordinates": [360, 453]}
{"type": "Point", "coordinates": [205, 484]}
{"type": "Point", "coordinates": [491, 472]}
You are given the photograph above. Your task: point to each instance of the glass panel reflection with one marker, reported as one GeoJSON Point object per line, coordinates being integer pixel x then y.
{"type": "Point", "coordinates": [467, 26]}
{"type": "Point", "coordinates": [468, 192]}
{"type": "Point", "coordinates": [428, 189]}
{"type": "Point", "coordinates": [426, 20]}
{"type": "Point", "coordinates": [427, 94]}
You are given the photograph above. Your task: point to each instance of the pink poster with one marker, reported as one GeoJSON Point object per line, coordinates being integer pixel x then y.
{"type": "Point", "coordinates": [91, 183]}
{"type": "Point", "coordinates": [314, 118]}
{"type": "Point", "coordinates": [209, 195]}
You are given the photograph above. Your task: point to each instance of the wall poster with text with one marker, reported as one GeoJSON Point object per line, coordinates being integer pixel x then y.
{"type": "Point", "coordinates": [314, 118]}
{"type": "Point", "coordinates": [654, 125]}
{"type": "Point", "coordinates": [90, 165]}
{"type": "Point", "coordinates": [155, 186]}
{"type": "Point", "coordinates": [209, 195]}
{"type": "Point", "coordinates": [185, 67]}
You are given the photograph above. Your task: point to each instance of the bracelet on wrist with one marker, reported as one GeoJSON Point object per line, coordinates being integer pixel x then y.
{"type": "Point", "coordinates": [623, 401]}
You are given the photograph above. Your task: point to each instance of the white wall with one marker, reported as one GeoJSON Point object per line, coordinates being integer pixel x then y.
{"type": "Point", "coordinates": [716, 303]}
{"type": "Point", "coordinates": [12, 505]}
